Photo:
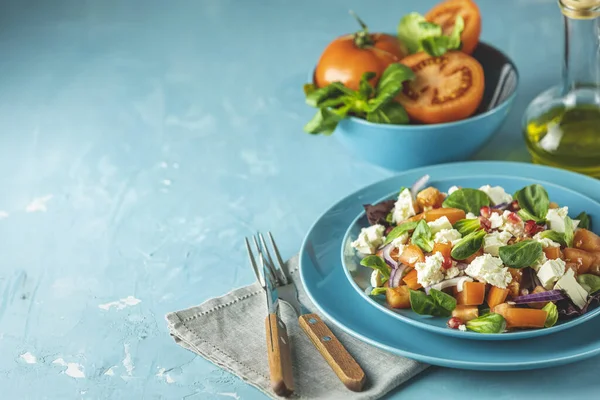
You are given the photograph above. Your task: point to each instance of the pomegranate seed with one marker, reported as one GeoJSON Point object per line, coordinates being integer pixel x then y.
{"type": "Point", "coordinates": [447, 264]}
{"type": "Point", "coordinates": [485, 223]}
{"type": "Point", "coordinates": [454, 323]}
{"type": "Point", "coordinates": [514, 206]}
{"type": "Point", "coordinates": [485, 212]}
{"type": "Point", "coordinates": [530, 227]}
{"type": "Point", "coordinates": [513, 218]}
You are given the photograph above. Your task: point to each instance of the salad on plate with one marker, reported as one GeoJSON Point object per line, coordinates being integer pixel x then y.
{"type": "Point", "coordinates": [489, 261]}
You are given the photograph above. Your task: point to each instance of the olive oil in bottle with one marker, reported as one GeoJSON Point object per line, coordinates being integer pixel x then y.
{"type": "Point", "coordinates": [562, 125]}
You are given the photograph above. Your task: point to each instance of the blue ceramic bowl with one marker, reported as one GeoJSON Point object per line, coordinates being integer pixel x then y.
{"type": "Point", "coordinates": [401, 147]}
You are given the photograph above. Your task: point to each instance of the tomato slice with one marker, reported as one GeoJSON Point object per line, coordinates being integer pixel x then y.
{"type": "Point", "coordinates": [445, 13]}
{"type": "Point", "coordinates": [445, 89]}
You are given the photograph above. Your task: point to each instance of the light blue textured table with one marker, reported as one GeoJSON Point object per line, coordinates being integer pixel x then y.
{"type": "Point", "coordinates": [141, 141]}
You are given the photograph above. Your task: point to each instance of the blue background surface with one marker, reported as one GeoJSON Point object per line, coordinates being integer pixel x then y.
{"type": "Point", "coordinates": [141, 141]}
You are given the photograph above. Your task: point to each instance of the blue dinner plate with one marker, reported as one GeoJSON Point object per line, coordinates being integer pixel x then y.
{"type": "Point", "coordinates": [359, 276]}
{"type": "Point", "coordinates": [332, 293]}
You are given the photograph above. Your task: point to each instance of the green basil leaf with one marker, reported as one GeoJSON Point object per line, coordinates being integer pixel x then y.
{"type": "Point", "coordinates": [365, 89]}
{"type": "Point", "coordinates": [422, 236]}
{"type": "Point", "coordinates": [590, 282]}
{"type": "Point", "coordinates": [534, 202]}
{"type": "Point", "coordinates": [390, 113]}
{"type": "Point", "coordinates": [484, 310]}
{"type": "Point", "coordinates": [585, 221]}
{"type": "Point", "coordinates": [552, 317]}
{"type": "Point", "coordinates": [554, 236]}
{"type": "Point", "coordinates": [390, 84]}
{"type": "Point", "coordinates": [443, 300]}
{"type": "Point", "coordinates": [490, 323]}
{"type": "Point", "coordinates": [466, 226]}
{"type": "Point", "coordinates": [378, 264]}
{"type": "Point", "coordinates": [413, 28]}
{"type": "Point", "coordinates": [400, 230]}
{"type": "Point", "coordinates": [569, 234]}
{"type": "Point", "coordinates": [468, 200]}
{"type": "Point", "coordinates": [324, 121]}
{"type": "Point", "coordinates": [436, 45]}
{"type": "Point", "coordinates": [468, 245]}
{"type": "Point", "coordinates": [378, 291]}
{"type": "Point", "coordinates": [454, 38]}
{"type": "Point", "coordinates": [331, 95]}
{"type": "Point", "coordinates": [521, 254]}
{"type": "Point", "coordinates": [423, 304]}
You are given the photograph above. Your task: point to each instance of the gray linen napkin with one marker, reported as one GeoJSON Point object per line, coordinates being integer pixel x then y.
{"type": "Point", "coordinates": [230, 332]}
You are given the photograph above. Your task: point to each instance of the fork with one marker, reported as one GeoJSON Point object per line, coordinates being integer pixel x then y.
{"type": "Point", "coordinates": [336, 355]}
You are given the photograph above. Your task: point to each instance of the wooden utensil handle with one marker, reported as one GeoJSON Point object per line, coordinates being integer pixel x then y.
{"type": "Point", "coordinates": [338, 358]}
{"type": "Point", "coordinates": [280, 356]}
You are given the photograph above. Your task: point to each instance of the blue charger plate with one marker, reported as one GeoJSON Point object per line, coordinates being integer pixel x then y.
{"type": "Point", "coordinates": [332, 293]}
{"type": "Point", "coordinates": [359, 276]}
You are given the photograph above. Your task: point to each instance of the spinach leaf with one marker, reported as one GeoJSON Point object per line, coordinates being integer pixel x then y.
{"type": "Point", "coordinates": [466, 226]}
{"type": "Point", "coordinates": [419, 34]}
{"type": "Point", "coordinates": [443, 300]}
{"type": "Point", "coordinates": [365, 89]}
{"type": "Point", "coordinates": [484, 310]}
{"type": "Point", "coordinates": [400, 230]}
{"type": "Point", "coordinates": [569, 234]}
{"type": "Point", "coordinates": [378, 291]}
{"type": "Point", "coordinates": [534, 202]}
{"type": "Point", "coordinates": [390, 113]}
{"type": "Point", "coordinates": [422, 236]}
{"type": "Point", "coordinates": [423, 304]}
{"type": "Point", "coordinates": [390, 84]}
{"type": "Point", "coordinates": [378, 264]}
{"type": "Point", "coordinates": [323, 122]}
{"type": "Point", "coordinates": [490, 323]}
{"type": "Point", "coordinates": [329, 96]}
{"type": "Point", "coordinates": [468, 245]}
{"type": "Point", "coordinates": [552, 317]}
{"type": "Point", "coordinates": [521, 254]}
{"type": "Point", "coordinates": [590, 282]}
{"type": "Point", "coordinates": [468, 200]}
{"type": "Point", "coordinates": [554, 236]}
{"type": "Point", "coordinates": [585, 221]}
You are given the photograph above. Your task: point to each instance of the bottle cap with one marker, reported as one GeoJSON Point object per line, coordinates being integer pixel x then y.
{"type": "Point", "coordinates": [580, 9]}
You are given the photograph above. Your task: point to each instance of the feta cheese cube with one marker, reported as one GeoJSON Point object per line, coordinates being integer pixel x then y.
{"type": "Point", "coordinates": [489, 269]}
{"type": "Point", "coordinates": [400, 240]}
{"type": "Point", "coordinates": [376, 278]}
{"type": "Point", "coordinates": [439, 224]}
{"type": "Point", "coordinates": [404, 207]}
{"type": "Point", "coordinates": [452, 189]}
{"type": "Point", "coordinates": [556, 218]}
{"type": "Point", "coordinates": [462, 328]}
{"type": "Point", "coordinates": [516, 230]}
{"type": "Point", "coordinates": [447, 236]}
{"type": "Point", "coordinates": [496, 194]}
{"type": "Point", "coordinates": [550, 272]}
{"type": "Point", "coordinates": [452, 272]}
{"type": "Point", "coordinates": [493, 241]}
{"type": "Point", "coordinates": [572, 288]}
{"type": "Point", "coordinates": [430, 271]}
{"type": "Point", "coordinates": [470, 215]}
{"type": "Point", "coordinates": [541, 261]}
{"type": "Point", "coordinates": [496, 220]}
{"type": "Point", "coordinates": [545, 242]}
{"type": "Point", "coordinates": [369, 239]}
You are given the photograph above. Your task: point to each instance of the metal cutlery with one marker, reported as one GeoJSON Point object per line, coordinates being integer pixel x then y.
{"type": "Point", "coordinates": [276, 273]}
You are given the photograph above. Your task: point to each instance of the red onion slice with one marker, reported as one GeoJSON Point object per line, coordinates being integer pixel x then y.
{"type": "Point", "coordinates": [388, 258]}
{"type": "Point", "coordinates": [501, 206]}
{"type": "Point", "coordinates": [396, 275]}
{"type": "Point", "coordinates": [459, 280]}
{"type": "Point", "coordinates": [418, 185]}
{"type": "Point", "coordinates": [550, 295]}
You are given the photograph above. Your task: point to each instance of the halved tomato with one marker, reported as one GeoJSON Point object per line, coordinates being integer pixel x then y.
{"type": "Point", "coordinates": [445, 13]}
{"type": "Point", "coordinates": [445, 89]}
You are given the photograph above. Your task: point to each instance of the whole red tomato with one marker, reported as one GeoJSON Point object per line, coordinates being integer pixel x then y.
{"type": "Point", "coordinates": [346, 58]}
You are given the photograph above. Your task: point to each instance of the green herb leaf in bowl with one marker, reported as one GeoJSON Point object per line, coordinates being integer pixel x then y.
{"type": "Point", "coordinates": [377, 263]}
{"type": "Point", "coordinates": [489, 323]}
{"type": "Point", "coordinates": [424, 304]}
{"type": "Point", "coordinates": [552, 317]}
{"type": "Point", "coordinates": [585, 221]}
{"type": "Point", "coordinates": [466, 226]}
{"type": "Point", "coordinates": [468, 200]}
{"type": "Point", "coordinates": [418, 34]}
{"type": "Point", "coordinates": [468, 245]}
{"type": "Point", "coordinates": [589, 282]}
{"type": "Point", "coordinates": [534, 202]}
{"type": "Point", "coordinates": [422, 236]}
{"type": "Point", "coordinates": [400, 230]}
{"type": "Point", "coordinates": [521, 254]}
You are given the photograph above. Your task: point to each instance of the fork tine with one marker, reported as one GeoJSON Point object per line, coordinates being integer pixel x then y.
{"type": "Point", "coordinates": [280, 263]}
{"type": "Point", "coordinates": [261, 252]}
{"type": "Point", "coordinates": [281, 278]}
{"type": "Point", "coordinates": [253, 264]}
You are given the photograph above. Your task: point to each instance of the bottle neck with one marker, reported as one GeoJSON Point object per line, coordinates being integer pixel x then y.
{"type": "Point", "coordinates": [581, 68]}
